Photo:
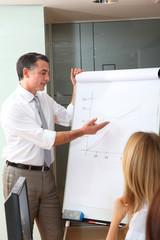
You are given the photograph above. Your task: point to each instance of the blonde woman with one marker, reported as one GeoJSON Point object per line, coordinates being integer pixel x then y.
{"type": "Point", "coordinates": [141, 169]}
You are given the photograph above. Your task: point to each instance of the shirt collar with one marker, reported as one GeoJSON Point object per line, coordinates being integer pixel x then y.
{"type": "Point", "coordinates": [28, 96]}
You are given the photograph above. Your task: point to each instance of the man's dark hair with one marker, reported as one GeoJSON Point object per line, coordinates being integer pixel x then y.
{"type": "Point", "coordinates": [28, 61]}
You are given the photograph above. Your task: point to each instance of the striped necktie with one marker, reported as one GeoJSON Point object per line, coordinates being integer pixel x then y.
{"type": "Point", "coordinates": [47, 153]}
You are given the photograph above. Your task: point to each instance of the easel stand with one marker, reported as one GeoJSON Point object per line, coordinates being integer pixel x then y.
{"type": "Point", "coordinates": [67, 225]}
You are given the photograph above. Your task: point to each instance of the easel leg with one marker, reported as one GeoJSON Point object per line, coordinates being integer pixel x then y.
{"type": "Point", "coordinates": [67, 224]}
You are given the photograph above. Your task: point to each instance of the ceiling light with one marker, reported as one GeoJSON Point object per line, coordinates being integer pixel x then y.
{"type": "Point", "coordinates": [106, 1]}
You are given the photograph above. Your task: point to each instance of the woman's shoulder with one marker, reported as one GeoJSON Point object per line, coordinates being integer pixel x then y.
{"type": "Point", "coordinates": [137, 226]}
{"type": "Point", "coordinates": [140, 215]}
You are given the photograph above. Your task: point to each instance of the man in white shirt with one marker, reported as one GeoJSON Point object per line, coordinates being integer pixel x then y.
{"type": "Point", "coordinates": [26, 140]}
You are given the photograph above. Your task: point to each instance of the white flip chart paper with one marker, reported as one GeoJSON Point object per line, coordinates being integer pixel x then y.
{"type": "Point", "coordinates": [129, 100]}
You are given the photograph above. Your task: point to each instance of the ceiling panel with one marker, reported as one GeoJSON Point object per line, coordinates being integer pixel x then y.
{"type": "Point", "coordinates": [62, 11]}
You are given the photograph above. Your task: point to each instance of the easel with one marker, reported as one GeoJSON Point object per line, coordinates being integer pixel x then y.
{"type": "Point", "coordinates": [67, 225]}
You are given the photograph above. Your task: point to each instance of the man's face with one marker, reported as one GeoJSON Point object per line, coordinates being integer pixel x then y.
{"type": "Point", "coordinates": [38, 76]}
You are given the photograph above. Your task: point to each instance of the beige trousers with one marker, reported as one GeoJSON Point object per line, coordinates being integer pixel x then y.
{"type": "Point", "coordinates": [43, 199]}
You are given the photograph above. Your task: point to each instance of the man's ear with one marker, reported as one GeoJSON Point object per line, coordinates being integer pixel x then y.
{"type": "Point", "coordinates": [26, 73]}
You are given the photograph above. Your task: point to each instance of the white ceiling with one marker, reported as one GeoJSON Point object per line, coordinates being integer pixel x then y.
{"type": "Point", "coordinates": [61, 11]}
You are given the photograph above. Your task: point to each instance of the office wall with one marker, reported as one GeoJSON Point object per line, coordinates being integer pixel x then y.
{"type": "Point", "coordinates": [21, 31]}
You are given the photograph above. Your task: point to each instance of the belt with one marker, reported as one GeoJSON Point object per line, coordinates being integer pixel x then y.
{"type": "Point", "coordinates": [29, 167]}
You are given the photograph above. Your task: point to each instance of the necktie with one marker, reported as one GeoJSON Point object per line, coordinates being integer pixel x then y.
{"type": "Point", "coordinates": [47, 153]}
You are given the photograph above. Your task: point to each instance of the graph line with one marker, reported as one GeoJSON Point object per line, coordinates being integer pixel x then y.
{"type": "Point", "coordinates": [111, 127]}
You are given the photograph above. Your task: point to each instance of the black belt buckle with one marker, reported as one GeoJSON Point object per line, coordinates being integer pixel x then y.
{"type": "Point", "coordinates": [43, 168]}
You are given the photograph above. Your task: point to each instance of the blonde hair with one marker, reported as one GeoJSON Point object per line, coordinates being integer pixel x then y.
{"type": "Point", "coordinates": [153, 218]}
{"type": "Point", "coordinates": [141, 169]}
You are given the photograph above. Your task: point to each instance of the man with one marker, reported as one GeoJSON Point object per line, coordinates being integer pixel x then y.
{"type": "Point", "coordinates": [28, 141]}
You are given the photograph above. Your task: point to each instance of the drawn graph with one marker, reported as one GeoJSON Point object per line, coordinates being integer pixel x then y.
{"type": "Point", "coordinates": [93, 142]}
{"type": "Point", "coordinates": [114, 121]}
{"type": "Point", "coordinates": [124, 108]}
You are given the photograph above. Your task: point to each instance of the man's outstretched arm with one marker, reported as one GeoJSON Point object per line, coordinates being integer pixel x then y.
{"type": "Point", "coordinates": [88, 128]}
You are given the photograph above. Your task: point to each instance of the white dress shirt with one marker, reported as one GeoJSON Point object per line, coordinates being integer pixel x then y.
{"type": "Point", "coordinates": [137, 225]}
{"type": "Point", "coordinates": [21, 122]}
